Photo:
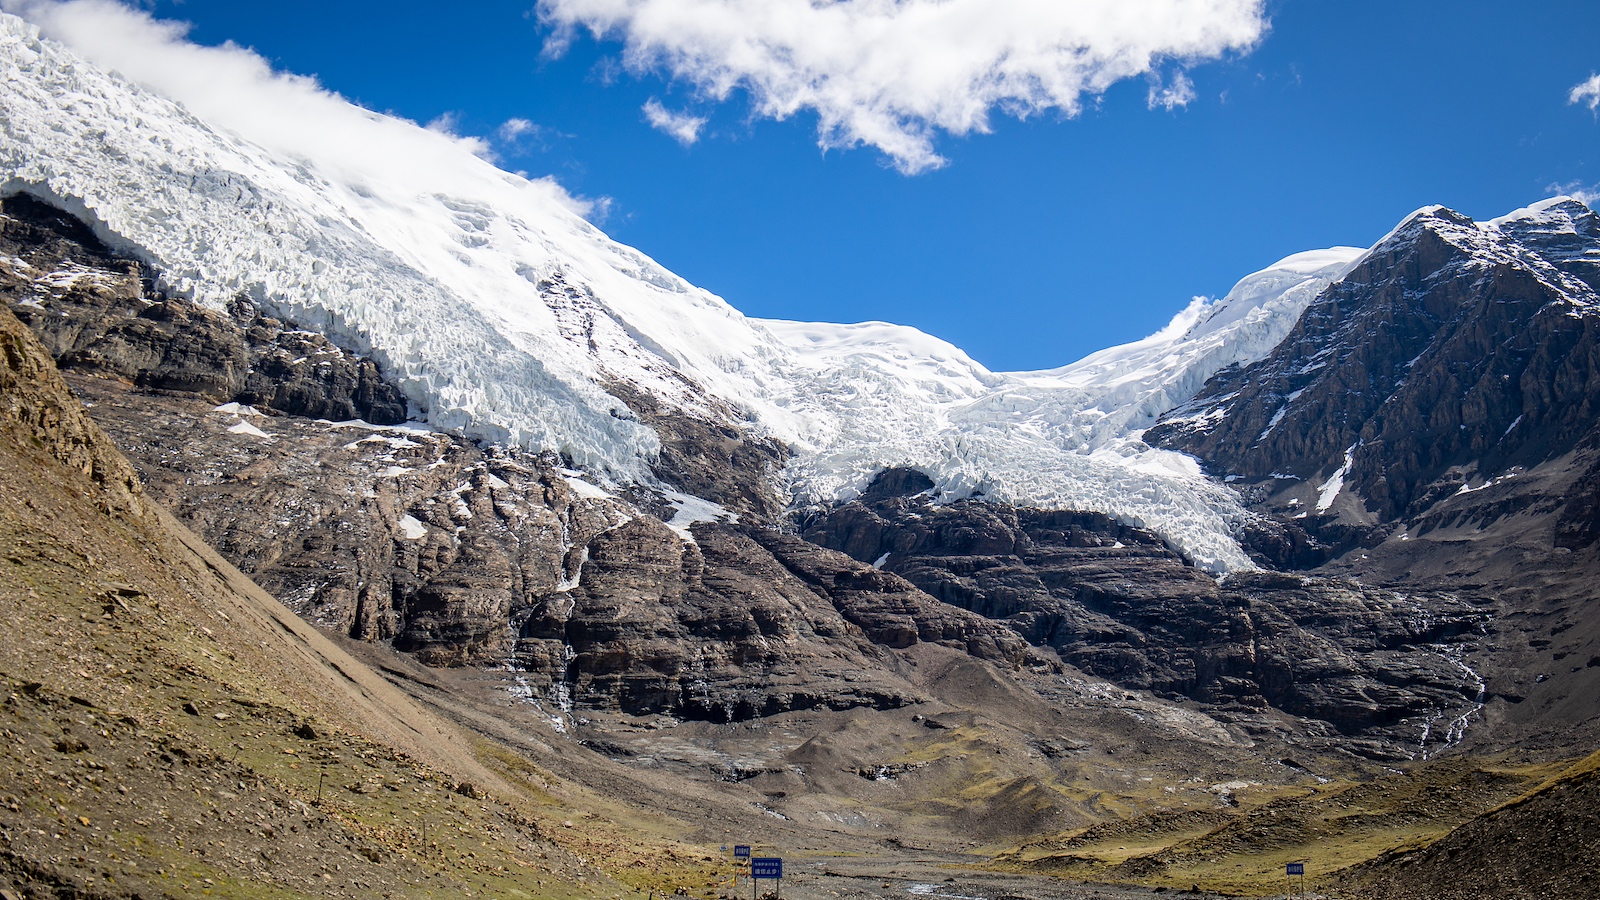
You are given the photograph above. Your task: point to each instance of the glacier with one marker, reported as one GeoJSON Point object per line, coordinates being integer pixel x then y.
{"type": "Point", "coordinates": [504, 315]}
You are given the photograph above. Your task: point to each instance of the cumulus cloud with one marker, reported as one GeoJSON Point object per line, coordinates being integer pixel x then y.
{"type": "Point", "coordinates": [1587, 93]}
{"type": "Point", "coordinates": [234, 89]}
{"type": "Point", "coordinates": [684, 128]}
{"type": "Point", "coordinates": [1170, 95]}
{"type": "Point", "coordinates": [893, 74]}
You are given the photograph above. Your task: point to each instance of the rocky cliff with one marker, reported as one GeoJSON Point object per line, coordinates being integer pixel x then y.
{"type": "Point", "coordinates": [1360, 662]}
{"type": "Point", "coordinates": [1451, 354]}
{"type": "Point", "coordinates": [1430, 424]}
{"type": "Point", "coordinates": [271, 443]}
{"type": "Point", "coordinates": [469, 554]}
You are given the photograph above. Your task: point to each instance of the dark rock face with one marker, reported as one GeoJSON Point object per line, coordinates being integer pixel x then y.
{"type": "Point", "coordinates": [1448, 347]}
{"type": "Point", "coordinates": [1116, 602]}
{"type": "Point", "coordinates": [409, 537]}
{"type": "Point", "coordinates": [301, 373]}
{"type": "Point", "coordinates": [103, 319]}
{"type": "Point", "coordinates": [709, 460]}
{"type": "Point", "coordinates": [739, 623]}
{"type": "Point", "coordinates": [708, 456]}
{"type": "Point", "coordinates": [467, 556]}
{"type": "Point", "coordinates": [462, 554]}
{"type": "Point", "coordinates": [1450, 381]}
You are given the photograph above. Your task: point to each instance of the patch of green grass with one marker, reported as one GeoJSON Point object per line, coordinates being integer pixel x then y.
{"type": "Point", "coordinates": [1331, 828]}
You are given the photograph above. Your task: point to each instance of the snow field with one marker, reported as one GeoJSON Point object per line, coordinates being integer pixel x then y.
{"type": "Point", "coordinates": [504, 315]}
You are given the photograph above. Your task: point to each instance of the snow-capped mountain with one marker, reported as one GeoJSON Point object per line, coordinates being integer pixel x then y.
{"type": "Point", "coordinates": [502, 314]}
{"type": "Point", "coordinates": [1454, 350]}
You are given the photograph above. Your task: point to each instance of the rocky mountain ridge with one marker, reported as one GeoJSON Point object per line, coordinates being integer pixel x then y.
{"type": "Point", "coordinates": [481, 555]}
{"type": "Point", "coordinates": [458, 553]}
{"type": "Point", "coordinates": [1431, 424]}
{"type": "Point", "coordinates": [633, 609]}
{"type": "Point", "coordinates": [1114, 601]}
{"type": "Point", "coordinates": [1451, 353]}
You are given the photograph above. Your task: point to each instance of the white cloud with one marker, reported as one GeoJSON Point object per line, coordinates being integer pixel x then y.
{"type": "Point", "coordinates": [1587, 93]}
{"type": "Point", "coordinates": [894, 73]}
{"type": "Point", "coordinates": [684, 128]}
{"type": "Point", "coordinates": [512, 129]}
{"type": "Point", "coordinates": [234, 89]}
{"type": "Point", "coordinates": [1588, 194]}
{"type": "Point", "coordinates": [1170, 96]}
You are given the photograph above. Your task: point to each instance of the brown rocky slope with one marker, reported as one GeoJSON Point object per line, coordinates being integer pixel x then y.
{"type": "Point", "coordinates": [169, 727]}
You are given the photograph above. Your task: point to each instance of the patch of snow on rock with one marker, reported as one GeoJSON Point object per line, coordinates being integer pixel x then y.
{"type": "Point", "coordinates": [1330, 489]}
{"type": "Point", "coordinates": [243, 427]}
{"type": "Point", "coordinates": [690, 509]}
{"type": "Point", "coordinates": [412, 529]}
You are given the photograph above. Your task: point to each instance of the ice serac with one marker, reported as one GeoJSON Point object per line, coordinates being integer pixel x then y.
{"type": "Point", "coordinates": [502, 315]}
{"type": "Point", "coordinates": [1063, 438]}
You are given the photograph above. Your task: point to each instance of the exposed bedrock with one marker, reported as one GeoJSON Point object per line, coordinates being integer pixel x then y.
{"type": "Point", "coordinates": [1432, 424]}
{"type": "Point", "coordinates": [460, 553]}
{"type": "Point", "coordinates": [1445, 355]}
{"type": "Point", "coordinates": [1116, 602]}
{"type": "Point", "coordinates": [741, 622]}
{"type": "Point", "coordinates": [478, 555]}
{"type": "Point", "coordinates": [102, 319]}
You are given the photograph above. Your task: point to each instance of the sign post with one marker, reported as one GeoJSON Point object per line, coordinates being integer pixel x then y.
{"type": "Point", "coordinates": [766, 867]}
{"type": "Point", "coordinates": [1292, 869]}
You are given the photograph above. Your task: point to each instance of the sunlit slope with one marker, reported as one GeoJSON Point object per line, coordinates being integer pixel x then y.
{"type": "Point", "coordinates": [171, 730]}
{"type": "Point", "coordinates": [501, 313]}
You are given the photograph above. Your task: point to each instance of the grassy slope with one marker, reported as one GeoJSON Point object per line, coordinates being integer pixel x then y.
{"type": "Point", "coordinates": [1243, 851]}
{"type": "Point", "coordinates": [171, 730]}
{"type": "Point", "coordinates": [1542, 844]}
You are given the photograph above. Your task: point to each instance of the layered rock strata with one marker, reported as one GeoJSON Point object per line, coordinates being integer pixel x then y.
{"type": "Point", "coordinates": [1116, 602]}
{"type": "Point", "coordinates": [291, 457]}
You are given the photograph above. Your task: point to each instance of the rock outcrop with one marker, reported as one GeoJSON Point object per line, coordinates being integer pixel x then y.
{"type": "Point", "coordinates": [459, 553]}
{"type": "Point", "coordinates": [102, 318]}
{"type": "Point", "coordinates": [467, 554]}
{"type": "Point", "coordinates": [735, 624]}
{"type": "Point", "coordinates": [1453, 352]}
{"type": "Point", "coordinates": [1118, 603]}
{"type": "Point", "coordinates": [1431, 425]}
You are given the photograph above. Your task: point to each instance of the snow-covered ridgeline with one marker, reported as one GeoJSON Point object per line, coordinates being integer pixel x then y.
{"type": "Point", "coordinates": [431, 268]}
{"type": "Point", "coordinates": [1504, 240]}
{"type": "Point", "coordinates": [501, 312]}
{"type": "Point", "coordinates": [1066, 437]}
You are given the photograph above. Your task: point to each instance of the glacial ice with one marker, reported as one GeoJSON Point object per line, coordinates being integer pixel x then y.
{"type": "Point", "coordinates": [503, 315]}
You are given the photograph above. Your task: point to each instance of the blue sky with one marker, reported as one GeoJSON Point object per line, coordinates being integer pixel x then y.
{"type": "Point", "coordinates": [1034, 244]}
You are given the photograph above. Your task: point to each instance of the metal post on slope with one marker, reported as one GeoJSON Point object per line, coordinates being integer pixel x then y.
{"type": "Point", "coordinates": [1289, 871]}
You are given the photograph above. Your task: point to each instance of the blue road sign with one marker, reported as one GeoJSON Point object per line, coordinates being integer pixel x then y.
{"type": "Point", "coordinates": [1295, 869]}
{"type": "Point", "coordinates": [741, 851]}
{"type": "Point", "coordinates": [766, 867]}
